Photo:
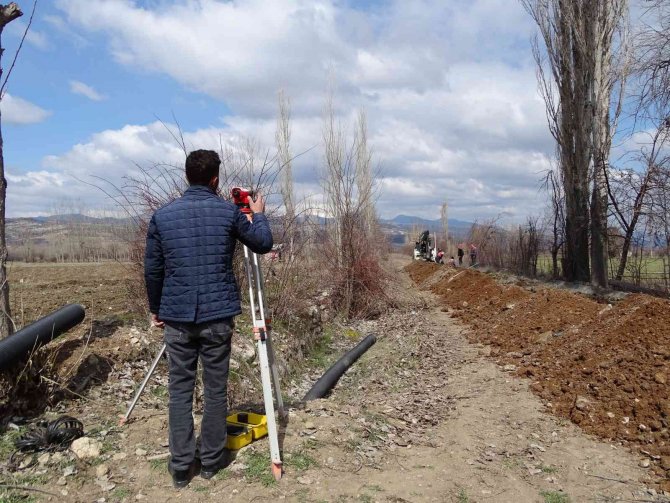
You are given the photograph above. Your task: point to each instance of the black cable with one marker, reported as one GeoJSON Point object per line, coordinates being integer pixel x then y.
{"type": "Point", "coordinates": [51, 436]}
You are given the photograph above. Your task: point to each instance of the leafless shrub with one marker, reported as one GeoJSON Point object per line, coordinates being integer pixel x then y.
{"type": "Point", "coordinates": [351, 256]}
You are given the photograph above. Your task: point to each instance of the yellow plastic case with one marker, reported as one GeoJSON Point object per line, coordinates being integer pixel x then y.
{"type": "Point", "coordinates": [256, 423]}
{"type": "Point", "coordinates": [238, 435]}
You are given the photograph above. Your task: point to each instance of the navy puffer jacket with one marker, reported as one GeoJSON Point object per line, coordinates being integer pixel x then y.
{"type": "Point", "coordinates": [188, 265]}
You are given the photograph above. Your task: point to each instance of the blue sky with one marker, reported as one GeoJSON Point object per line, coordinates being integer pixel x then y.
{"type": "Point", "coordinates": [448, 87]}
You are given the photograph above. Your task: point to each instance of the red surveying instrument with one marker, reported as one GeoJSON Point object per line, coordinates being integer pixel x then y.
{"type": "Point", "coordinates": [241, 198]}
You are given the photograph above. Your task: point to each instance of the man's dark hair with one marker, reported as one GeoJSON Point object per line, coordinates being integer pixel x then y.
{"type": "Point", "coordinates": [202, 166]}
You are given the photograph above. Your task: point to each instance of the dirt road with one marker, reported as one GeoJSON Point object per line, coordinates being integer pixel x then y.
{"type": "Point", "coordinates": [423, 416]}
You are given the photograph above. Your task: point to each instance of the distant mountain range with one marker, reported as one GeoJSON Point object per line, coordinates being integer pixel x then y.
{"type": "Point", "coordinates": [408, 221]}
{"type": "Point", "coordinates": [74, 218]}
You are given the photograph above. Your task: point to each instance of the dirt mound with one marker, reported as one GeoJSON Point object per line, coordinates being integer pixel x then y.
{"type": "Point", "coordinates": [476, 297]}
{"type": "Point", "coordinates": [611, 375]}
{"type": "Point", "coordinates": [605, 367]}
{"type": "Point", "coordinates": [419, 271]}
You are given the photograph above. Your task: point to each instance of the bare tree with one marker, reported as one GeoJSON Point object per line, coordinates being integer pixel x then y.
{"type": "Point", "coordinates": [444, 218]}
{"type": "Point", "coordinates": [283, 141]}
{"type": "Point", "coordinates": [364, 174]}
{"type": "Point", "coordinates": [611, 23]}
{"type": "Point", "coordinates": [576, 83]}
{"type": "Point", "coordinates": [629, 189]}
{"type": "Point", "coordinates": [8, 13]}
{"type": "Point", "coordinates": [557, 220]}
{"type": "Point", "coordinates": [339, 184]}
{"type": "Point", "coordinates": [652, 61]}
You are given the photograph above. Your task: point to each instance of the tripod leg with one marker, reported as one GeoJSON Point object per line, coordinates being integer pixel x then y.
{"type": "Point", "coordinates": [139, 391]}
{"type": "Point", "coordinates": [275, 377]}
{"type": "Point", "coordinates": [275, 456]}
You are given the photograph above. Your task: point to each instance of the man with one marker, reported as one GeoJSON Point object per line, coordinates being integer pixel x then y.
{"type": "Point", "coordinates": [473, 255]}
{"type": "Point", "coordinates": [461, 253]}
{"type": "Point", "coordinates": [188, 269]}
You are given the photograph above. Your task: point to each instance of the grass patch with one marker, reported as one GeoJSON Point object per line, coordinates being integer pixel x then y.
{"type": "Point", "coordinates": [160, 391]}
{"type": "Point", "coordinates": [321, 354]}
{"type": "Point", "coordinates": [352, 444]}
{"type": "Point", "coordinates": [15, 496]}
{"type": "Point", "coordinates": [365, 498]}
{"type": "Point", "coordinates": [120, 493]}
{"type": "Point", "coordinates": [351, 333]}
{"type": "Point", "coordinates": [375, 488]}
{"type": "Point", "coordinates": [258, 468]}
{"type": "Point", "coordinates": [462, 496]}
{"type": "Point", "coordinates": [201, 489]}
{"type": "Point", "coordinates": [548, 469]}
{"type": "Point", "coordinates": [300, 461]}
{"type": "Point", "coordinates": [555, 497]}
{"type": "Point", "coordinates": [30, 479]}
{"type": "Point", "coordinates": [222, 475]}
{"type": "Point", "coordinates": [7, 442]}
{"type": "Point", "coordinates": [158, 464]}
{"type": "Point", "coordinates": [511, 463]}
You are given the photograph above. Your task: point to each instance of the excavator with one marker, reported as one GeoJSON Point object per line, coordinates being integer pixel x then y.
{"type": "Point", "coordinates": [424, 248]}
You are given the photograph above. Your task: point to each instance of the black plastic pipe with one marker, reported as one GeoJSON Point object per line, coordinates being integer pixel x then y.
{"type": "Point", "coordinates": [35, 335]}
{"type": "Point", "coordinates": [328, 380]}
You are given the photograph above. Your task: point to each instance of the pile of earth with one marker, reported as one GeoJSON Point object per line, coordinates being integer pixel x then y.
{"type": "Point", "coordinates": [419, 271]}
{"type": "Point", "coordinates": [605, 367]}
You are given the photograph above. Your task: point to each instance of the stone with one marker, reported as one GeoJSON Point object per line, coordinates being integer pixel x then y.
{"type": "Point", "coordinates": [582, 403]}
{"type": "Point", "coordinates": [665, 462]}
{"type": "Point", "coordinates": [645, 463]}
{"type": "Point", "coordinates": [44, 459]}
{"type": "Point", "coordinates": [86, 448]}
{"type": "Point", "coordinates": [610, 415]}
{"type": "Point", "coordinates": [660, 378]}
{"type": "Point", "coordinates": [101, 471]}
{"type": "Point", "coordinates": [237, 468]}
{"type": "Point", "coordinates": [119, 456]}
{"type": "Point", "coordinates": [304, 481]}
{"type": "Point", "coordinates": [543, 338]}
{"type": "Point", "coordinates": [509, 368]}
{"type": "Point", "coordinates": [61, 481]}
{"type": "Point", "coordinates": [69, 470]}
{"type": "Point", "coordinates": [140, 452]}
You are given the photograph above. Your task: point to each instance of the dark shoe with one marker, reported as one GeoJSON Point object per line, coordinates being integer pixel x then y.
{"type": "Point", "coordinates": [208, 471]}
{"type": "Point", "coordinates": [181, 478]}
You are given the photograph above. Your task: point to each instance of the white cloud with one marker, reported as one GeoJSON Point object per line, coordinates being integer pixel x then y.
{"type": "Point", "coordinates": [34, 37]}
{"type": "Point", "coordinates": [77, 87]}
{"type": "Point", "coordinates": [449, 89]}
{"type": "Point", "coordinates": [19, 111]}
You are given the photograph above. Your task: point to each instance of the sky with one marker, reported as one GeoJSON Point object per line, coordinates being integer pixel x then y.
{"type": "Point", "coordinates": [448, 87]}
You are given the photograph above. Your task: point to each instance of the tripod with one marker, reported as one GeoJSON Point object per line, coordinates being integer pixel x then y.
{"type": "Point", "coordinates": [266, 357]}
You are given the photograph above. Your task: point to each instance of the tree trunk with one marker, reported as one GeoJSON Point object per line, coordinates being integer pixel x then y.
{"type": "Point", "coordinates": [6, 324]}
{"type": "Point", "coordinates": [599, 247]}
{"type": "Point", "coordinates": [8, 13]}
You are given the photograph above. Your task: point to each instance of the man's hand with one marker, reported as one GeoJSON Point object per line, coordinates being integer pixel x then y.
{"type": "Point", "coordinates": [156, 322]}
{"type": "Point", "coordinates": [257, 205]}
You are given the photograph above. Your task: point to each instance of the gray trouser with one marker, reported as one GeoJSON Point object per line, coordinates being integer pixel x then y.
{"type": "Point", "coordinates": [185, 343]}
